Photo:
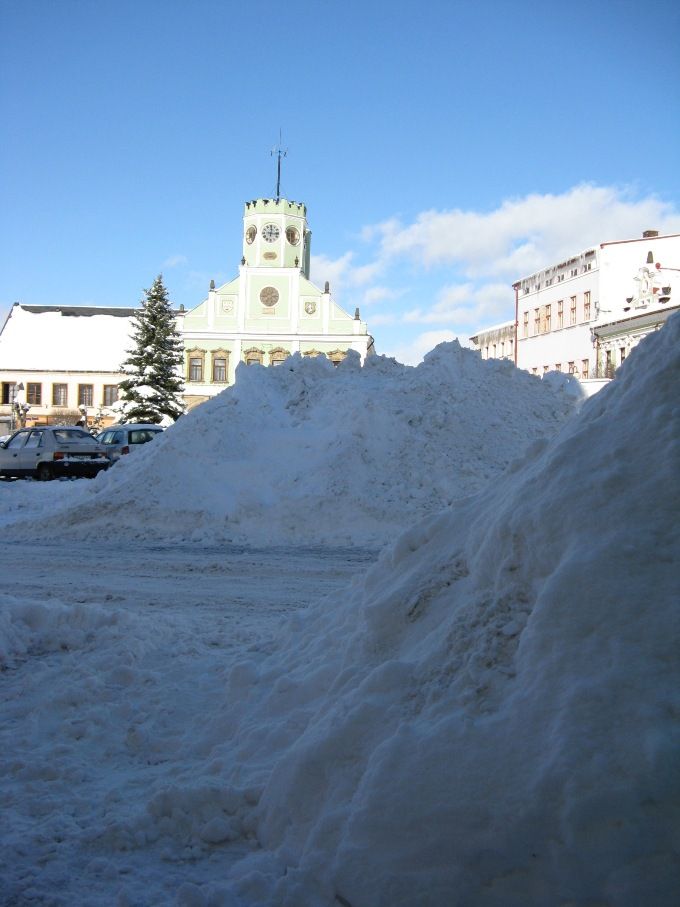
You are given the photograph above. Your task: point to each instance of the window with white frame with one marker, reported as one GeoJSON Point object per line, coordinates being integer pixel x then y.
{"type": "Point", "coordinates": [572, 310]}
{"type": "Point", "coordinates": [560, 313]}
{"type": "Point", "coordinates": [586, 306]}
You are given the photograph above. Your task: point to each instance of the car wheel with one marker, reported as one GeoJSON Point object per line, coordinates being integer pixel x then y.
{"type": "Point", "coordinates": [44, 473]}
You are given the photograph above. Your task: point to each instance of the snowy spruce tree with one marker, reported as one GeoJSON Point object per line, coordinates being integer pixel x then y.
{"type": "Point", "coordinates": [153, 387]}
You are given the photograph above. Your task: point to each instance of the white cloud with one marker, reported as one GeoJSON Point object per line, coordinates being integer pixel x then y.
{"type": "Point", "coordinates": [365, 273]}
{"type": "Point", "coordinates": [413, 352]}
{"type": "Point", "coordinates": [333, 270]}
{"type": "Point", "coordinates": [340, 272]}
{"type": "Point", "coordinates": [464, 306]}
{"type": "Point", "coordinates": [174, 261]}
{"type": "Point", "coordinates": [382, 294]}
{"type": "Point", "coordinates": [385, 318]}
{"type": "Point", "coordinates": [526, 234]}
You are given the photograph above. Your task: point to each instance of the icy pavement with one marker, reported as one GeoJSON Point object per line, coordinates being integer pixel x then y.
{"type": "Point", "coordinates": [115, 663]}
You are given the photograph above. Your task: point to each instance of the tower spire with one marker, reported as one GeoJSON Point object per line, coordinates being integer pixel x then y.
{"type": "Point", "coordinates": [279, 152]}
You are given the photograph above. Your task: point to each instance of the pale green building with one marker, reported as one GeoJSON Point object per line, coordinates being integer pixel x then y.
{"type": "Point", "coordinates": [270, 310]}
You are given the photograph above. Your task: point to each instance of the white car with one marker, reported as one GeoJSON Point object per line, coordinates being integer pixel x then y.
{"type": "Point", "coordinates": [123, 439]}
{"type": "Point", "coordinates": [52, 451]}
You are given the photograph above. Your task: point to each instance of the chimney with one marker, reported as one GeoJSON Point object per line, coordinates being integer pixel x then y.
{"type": "Point", "coordinates": [649, 234]}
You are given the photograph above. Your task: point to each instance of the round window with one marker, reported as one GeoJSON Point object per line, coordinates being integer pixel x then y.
{"type": "Point", "coordinates": [251, 233]}
{"type": "Point", "coordinates": [292, 236]}
{"type": "Point", "coordinates": [269, 296]}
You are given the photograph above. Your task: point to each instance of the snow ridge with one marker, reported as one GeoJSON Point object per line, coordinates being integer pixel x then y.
{"type": "Point", "coordinates": [306, 453]}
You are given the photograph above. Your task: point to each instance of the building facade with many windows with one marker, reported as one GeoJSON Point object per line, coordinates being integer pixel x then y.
{"type": "Point", "coordinates": [583, 315]}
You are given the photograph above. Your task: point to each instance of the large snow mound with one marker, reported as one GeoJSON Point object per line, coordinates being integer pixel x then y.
{"type": "Point", "coordinates": [306, 453]}
{"type": "Point", "coordinates": [490, 717]}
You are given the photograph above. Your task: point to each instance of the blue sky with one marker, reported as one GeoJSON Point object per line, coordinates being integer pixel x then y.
{"type": "Point", "coordinates": [443, 149]}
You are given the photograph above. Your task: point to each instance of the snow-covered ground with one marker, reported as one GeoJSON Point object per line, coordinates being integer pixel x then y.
{"type": "Point", "coordinates": [217, 692]}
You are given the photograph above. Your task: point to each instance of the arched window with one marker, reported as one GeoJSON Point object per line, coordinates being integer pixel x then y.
{"type": "Point", "coordinates": [220, 367]}
{"type": "Point", "coordinates": [278, 355]}
{"type": "Point", "coordinates": [195, 365]}
{"type": "Point", "coordinates": [336, 356]}
{"type": "Point", "coordinates": [253, 356]}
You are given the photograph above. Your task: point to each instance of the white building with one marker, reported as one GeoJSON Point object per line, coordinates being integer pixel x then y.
{"type": "Point", "coordinates": [57, 359]}
{"type": "Point", "coordinates": [584, 314]}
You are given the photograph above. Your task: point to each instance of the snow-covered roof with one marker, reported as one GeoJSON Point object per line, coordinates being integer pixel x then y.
{"type": "Point", "coordinates": [58, 338]}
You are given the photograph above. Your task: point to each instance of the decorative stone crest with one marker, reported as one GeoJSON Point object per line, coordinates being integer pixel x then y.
{"type": "Point", "coordinates": [228, 306]}
{"type": "Point", "coordinates": [310, 307]}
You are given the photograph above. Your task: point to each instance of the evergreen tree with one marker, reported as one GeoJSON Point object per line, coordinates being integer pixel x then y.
{"type": "Point", "coordinates": [152, 391]}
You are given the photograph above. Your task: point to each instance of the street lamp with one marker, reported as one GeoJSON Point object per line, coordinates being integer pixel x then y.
{"type": "Point", "coordinates": [16, 405]}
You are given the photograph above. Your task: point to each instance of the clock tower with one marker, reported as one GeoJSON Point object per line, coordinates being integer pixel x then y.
{"type": "Point", "coordinates": [275, 235]}
{"type": "Point", "coordinates": [271, 310]}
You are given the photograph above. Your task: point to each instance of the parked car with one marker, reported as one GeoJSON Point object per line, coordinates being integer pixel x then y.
{"type": "Point", "coordinates": [52, 451]}
{"type": "Point", "coordinates": [123, 439]}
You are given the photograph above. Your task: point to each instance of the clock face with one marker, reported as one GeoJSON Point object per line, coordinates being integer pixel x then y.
{"type": "Point", "coordinates": [251, 233]}
{"type": "Point", "coordinates": [270, 232]}
{"type": "Point", "coordinates": [269, 296]}
{"type": "Point", "coordinates": [292, 236]}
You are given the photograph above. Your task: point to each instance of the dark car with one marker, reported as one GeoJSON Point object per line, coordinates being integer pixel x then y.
{"type": "Point", "coordinates": [52, 451]}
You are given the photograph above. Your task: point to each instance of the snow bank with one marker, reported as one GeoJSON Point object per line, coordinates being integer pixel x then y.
{"type": "Point", "coordinates": [490, 717]}
{"type": "Point", "coordinates": [306, 453]}
{"type": "Point", "coordinates": [35, 627]}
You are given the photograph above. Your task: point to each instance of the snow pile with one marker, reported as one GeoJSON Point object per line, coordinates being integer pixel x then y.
{"type": "Point", "coordinates": [306, 453]}
{"type": "Point", "coordinates": [35, 627]}
{"type": "Point", "coordinates": [490, 717]}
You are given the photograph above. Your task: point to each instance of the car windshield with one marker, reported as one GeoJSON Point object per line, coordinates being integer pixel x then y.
{"type": "Point", "coordinates": [72, 436]}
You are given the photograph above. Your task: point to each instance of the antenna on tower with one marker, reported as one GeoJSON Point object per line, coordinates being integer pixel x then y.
{"type": "Point", "coordinates": [279, 152]}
